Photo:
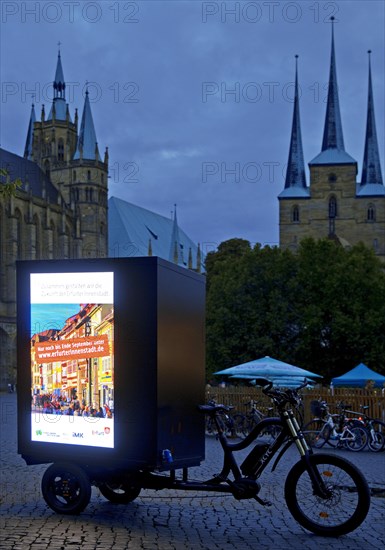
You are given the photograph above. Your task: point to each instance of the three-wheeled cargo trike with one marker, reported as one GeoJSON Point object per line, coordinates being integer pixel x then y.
{"type": "Point", "coordinates": [111, 394]}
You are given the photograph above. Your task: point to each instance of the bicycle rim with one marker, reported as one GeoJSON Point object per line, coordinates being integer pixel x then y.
{"type": "Point", "coordinates": [346, 505]}
{"type": "Point", "coordinates": [359, 439]}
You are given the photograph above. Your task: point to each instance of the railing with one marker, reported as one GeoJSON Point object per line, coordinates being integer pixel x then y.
{"type": "Point", "coordinates": [354, 397]}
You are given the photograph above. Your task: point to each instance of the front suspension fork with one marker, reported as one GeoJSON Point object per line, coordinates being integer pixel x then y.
{"type": "Point", "coordinates": [306, 453]}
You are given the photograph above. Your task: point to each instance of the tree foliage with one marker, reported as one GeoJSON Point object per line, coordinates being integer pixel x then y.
{"type": "Point", "coordinates": [322, 309]}
{"type": "Point", "coordinates": [8, 188]}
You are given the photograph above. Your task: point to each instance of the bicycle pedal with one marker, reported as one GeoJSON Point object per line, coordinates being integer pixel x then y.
{"type": "Point", "coordinates": [262, 501]}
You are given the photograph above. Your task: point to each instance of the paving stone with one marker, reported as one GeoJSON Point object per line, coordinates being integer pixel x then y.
{"type": "Point", "coordinates": [166, 520]}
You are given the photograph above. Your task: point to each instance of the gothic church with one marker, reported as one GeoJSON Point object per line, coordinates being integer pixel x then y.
{"type": "Point", "coordinates": [335, 205]}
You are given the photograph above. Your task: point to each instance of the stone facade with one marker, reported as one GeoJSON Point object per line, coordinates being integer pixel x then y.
{"type": "Point", "coordinates": [60, 210]}
{"type": "Point", "coordinates": [333, 209]}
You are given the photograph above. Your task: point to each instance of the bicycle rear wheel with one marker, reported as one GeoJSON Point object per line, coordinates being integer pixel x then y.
{"type": "Point", "coordinates": [345, 504]}
{"type": "Point", "coordinates": [359, 439]}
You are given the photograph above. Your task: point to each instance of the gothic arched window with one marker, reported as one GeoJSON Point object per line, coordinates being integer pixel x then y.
{"type": "Point", "coordinates": [371, 215]}
{"type": "Point", "coordinates": [332, 207]}
{"type": "Point", "coordinates": [60, 150]}
{"type": "Point", "coordinates": [47, 167]}
{"type": "Point", "coordinates": [18, 228]}
{"type": "Point", "coordinates": [295, 214]}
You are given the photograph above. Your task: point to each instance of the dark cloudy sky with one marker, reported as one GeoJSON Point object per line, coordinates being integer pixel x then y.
{"type": "Point", "coordinates": [194, 99]}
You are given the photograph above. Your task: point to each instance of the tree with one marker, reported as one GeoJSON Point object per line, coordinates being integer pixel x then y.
{"type": "Point", "coordinates": [322, 309]}
{"type": "Point", "coordinates": [8, 188]}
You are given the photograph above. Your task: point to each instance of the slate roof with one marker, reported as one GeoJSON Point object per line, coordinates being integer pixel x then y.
{"type": "Point", "coordinates": [333, 156]}
{"type": "Point", "coordinates": [371, 167]}
{"type": "Point", "coordinates": [295, 173]}
{"type": "Point", "coordinates": [87, 136]}
{"type": "Point", "coordinates": [370, 190]}
{"type": "Point", "coordinates": [131, 228]}
{"type": "Point", "coordinates": [29, 140]}
{"type": "Point", "coordinates": [28, 171]}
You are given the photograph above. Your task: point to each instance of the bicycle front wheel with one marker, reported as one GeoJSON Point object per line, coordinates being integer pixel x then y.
{"type": "Point", "coordinates": [345, 504]}
{"type": "Point", "coordinates": [376, 436]}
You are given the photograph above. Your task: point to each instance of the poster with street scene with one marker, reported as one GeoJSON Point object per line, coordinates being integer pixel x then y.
{"type": "Point", "coordinates": [72, 358]}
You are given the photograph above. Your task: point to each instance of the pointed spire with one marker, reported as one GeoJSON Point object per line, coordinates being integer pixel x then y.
{"type": "Point", "coordinates": [29, 140]}
{"type": "Point", "coordinates": [333, 148]}
{"type": "Point", "coordinates": [333, 137]}
{"type": "Point", "coordinates": [199, 258]}
{"type": "Point", "coordinates": [87, 142]}
{"type": "Point", "coordinates": [59, 107]}
{"type": "Point", "coordinates": [295, 173]}
{"type": "Point", "coordinates": [371, 167]}
{"type": "Point", "coordinates": [59, 83]}
{"type": "Point", "coordinates": [175, 253]}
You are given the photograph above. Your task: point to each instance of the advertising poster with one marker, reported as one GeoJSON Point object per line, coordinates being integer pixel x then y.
{"type": "Point", "coordinates": [72, 358]}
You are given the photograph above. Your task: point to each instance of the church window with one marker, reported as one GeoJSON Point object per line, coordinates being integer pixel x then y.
{"type": "Point", "coordinates": [35, 239]}
{"type": "Point", "coordinates": [102, 178]}
{"type": "Point", "coordinates": [371, 215]}
{"type": "Point", "coordinates": [18, 234]}
{"type": "Point", "coordinates": [91, 194]}
{"type": "Point", "coordinates": [47, 167]}
{"type": "Point", "coordinates": [89, 175]}
{"type": "Point", "coordinates": [332, 178]}
{"type": "Point", "coordinates": [295, 214]}
{"type": "Point", "coordinates": [375, 244]}
{"type": "Point", "coordinates": [332, 207]}
{"type": "Point", "coordinates": [60, 150]}
{"type": "Point", "coordinates": [74, 175]}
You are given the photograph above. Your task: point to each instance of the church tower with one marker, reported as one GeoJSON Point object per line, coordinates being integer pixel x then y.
{"type": "Point", "coordinates": [71, 160]}
{"type": "Point", "coordinates": [334, 205]}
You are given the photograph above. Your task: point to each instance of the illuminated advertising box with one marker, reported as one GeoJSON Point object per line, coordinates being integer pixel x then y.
{"type": "Point", "coordinates": [72, 319]}
{"type": "Point", "coordinates": [110, 362]}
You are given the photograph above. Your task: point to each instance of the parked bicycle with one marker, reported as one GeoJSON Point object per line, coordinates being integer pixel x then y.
{"type": "Point", "coordinates": [226, 421]}
{"type": "Point", "coordinates": [375, 428]}
{"type": "Point", "coordinates": [244, 423]}
{"type": "Point", "coordinates": [325, 493]}
{"type": "Point", "coordinates": [336, 430]}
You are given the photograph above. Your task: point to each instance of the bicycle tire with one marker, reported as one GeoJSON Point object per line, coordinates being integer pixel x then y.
{"type": "Point", "coordinates": [343, 510]}
{"type": "Point", "coordinates": [119, 493]}
{"type": "Point", "coordinates": [316, 433]}
{"type": "Point", "coordinates": [360, 439]}
{"type": "Point", "coordinates": [378, 444]}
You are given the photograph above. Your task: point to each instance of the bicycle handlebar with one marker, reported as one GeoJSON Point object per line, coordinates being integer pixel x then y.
{"type": "Point", "coordinates": [279, 396]}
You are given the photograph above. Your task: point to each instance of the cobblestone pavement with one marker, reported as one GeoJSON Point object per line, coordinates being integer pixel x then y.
{"type": "Point", "coordinates": [168, 520]}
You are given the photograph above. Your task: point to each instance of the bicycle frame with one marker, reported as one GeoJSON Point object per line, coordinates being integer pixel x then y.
{"type": "Point", "coordinates": [244, 484]}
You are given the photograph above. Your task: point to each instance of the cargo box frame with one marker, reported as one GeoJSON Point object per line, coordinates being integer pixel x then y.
{"type": "Point", "coordinates": [159, 358]}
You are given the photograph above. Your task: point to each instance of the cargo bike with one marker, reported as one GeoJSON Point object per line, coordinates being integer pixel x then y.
{"type": "Point", "coordinates": [325, 493]}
